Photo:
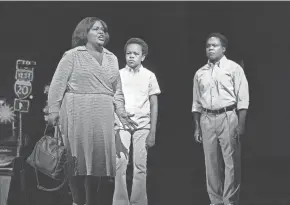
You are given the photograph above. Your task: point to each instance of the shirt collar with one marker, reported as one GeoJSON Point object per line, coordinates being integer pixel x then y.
{"type": "Point", "coordinates": [84, 48]}
{"type": "Point", "coordinates": [219, 63]}
{"type": "Point", "coordinates": [133, 70]}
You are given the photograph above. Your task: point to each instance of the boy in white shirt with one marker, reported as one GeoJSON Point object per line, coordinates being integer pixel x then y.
{"type": "Point", "coordinates": [140, 89]}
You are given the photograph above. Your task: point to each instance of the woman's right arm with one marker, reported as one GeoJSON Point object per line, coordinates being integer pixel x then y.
{"type": "Point", "coordinates": [119, 102]}
{"type": "Point", "coordinates": [59, 82]}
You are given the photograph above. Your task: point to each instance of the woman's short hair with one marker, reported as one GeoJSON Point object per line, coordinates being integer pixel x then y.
{"type": "Point", "coordinates": [139, 41]}
{"type": "Point", "coordinates": [79, 37]}
{"type": "Point", "coordinates": [223, 39]}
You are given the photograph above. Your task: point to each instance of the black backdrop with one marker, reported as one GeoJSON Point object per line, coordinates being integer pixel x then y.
{"type": "Point", "coordinates": [258, 34]}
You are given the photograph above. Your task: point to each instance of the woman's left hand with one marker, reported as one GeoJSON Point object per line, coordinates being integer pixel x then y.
{"type": "Point", "coordinates": [127, 122]}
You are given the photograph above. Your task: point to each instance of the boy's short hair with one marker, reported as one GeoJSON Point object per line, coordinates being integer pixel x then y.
{"type": "Point", "coordinates": [223, 39]}
{"type": "Point", "coordinates": [139, 41]}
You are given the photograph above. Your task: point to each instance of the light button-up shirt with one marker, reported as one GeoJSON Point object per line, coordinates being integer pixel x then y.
{"type": "Point", "coordinates": [220, 85]}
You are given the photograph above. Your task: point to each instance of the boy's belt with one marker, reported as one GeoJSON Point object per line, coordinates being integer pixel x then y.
{"type": "Point", "coordinates": [222, 110]}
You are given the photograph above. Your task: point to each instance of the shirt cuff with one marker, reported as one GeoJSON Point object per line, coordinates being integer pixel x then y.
{"type": "Point", "coordinates": [155, 93]}
{"type": "Point", "coordinates": [243, 105]}
{"type": "Point", "coordinates": [196, 108]}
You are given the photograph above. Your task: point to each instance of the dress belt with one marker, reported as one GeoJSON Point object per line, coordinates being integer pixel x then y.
{"type": "Point", "coordinates": [104, 93]}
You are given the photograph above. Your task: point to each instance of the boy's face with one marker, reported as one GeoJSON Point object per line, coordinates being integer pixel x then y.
{"type": "Point", "coordinates": [134, 56]}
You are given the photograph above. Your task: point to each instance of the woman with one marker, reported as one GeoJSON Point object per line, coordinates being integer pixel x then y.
{"type": "Point", "coordinates": [84, 93]}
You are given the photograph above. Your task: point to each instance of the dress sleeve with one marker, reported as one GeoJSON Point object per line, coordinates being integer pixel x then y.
{"type": "Point", "coordinates": [59, 82]}
{"type": "Point", "coordinates": [119, 100]}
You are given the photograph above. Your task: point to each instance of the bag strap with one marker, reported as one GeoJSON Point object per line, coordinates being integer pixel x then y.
{"type": "Point", "coordinates": [58, 133]}
{"type": "Point", "coordinates": [65, 166]}
{"type": "Point", "coordinates": [51, 189]}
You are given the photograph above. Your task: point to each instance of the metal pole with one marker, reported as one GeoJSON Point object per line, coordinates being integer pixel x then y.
{"type": "Point", "coordinates": [14, 137]}
{"type": "Point", "coordinates": [20, 141]}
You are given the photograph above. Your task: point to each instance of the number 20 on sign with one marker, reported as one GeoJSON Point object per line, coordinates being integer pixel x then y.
{"type": "Point", "coordinates": [22, 89]}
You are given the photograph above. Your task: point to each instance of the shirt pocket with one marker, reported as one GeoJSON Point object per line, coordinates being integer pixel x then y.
{"type": "Point", "coordinates": [204, 83]}
{"type": "Point", "coordinates": [226, 80]}
{"type": "Point", "coordinates": [142, 88]}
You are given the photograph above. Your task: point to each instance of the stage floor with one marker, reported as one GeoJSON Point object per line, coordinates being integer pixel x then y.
{"type": "Point", "coordinates": [264, 182]}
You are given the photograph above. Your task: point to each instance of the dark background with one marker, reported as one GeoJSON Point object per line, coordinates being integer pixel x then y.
{"type": "Point", "coordinates": [258, 34]}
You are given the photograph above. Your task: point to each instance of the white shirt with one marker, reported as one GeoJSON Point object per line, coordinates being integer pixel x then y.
{"type": "Point", "coordinates": [137, 86]}
{"type": "Point", "coordinates": [220, 85]}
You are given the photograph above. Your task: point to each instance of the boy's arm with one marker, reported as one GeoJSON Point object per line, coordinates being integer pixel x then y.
{"type": "Point", "coordinates": [154, 91]}
{"type": "Point", "coordinates": [154, 112]}
{"type": "Point", "coordinates": [150, 141]}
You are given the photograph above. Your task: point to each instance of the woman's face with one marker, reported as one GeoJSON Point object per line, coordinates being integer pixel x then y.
{"type": "Point", "coordinates": [96, 35]}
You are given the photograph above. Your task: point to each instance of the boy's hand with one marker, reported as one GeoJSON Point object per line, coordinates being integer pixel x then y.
{"type": "Point", "coordinates": [150, 140]}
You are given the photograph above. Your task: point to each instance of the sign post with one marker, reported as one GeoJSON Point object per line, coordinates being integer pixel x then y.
{"type": "Point", "coordinates": [11, 157]}
{"type": "Point", "coordinates": [22, 88]}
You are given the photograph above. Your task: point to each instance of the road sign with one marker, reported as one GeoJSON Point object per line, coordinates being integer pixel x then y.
{"type": "Point", "coordinates": [25, 64]}
{"type": "Point", "coordinates": [22, 88]}
{"type": "Point", "coordinates": [22, 74]}
{"type": "Point", "coordinates": [21, 105]}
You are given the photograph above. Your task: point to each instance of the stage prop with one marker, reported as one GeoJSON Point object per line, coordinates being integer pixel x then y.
{"type": "Point", "coordinates": [12, 140]}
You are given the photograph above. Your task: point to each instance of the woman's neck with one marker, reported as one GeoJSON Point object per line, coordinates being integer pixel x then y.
{"type": "Point", "coordinates": [94, 48]}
